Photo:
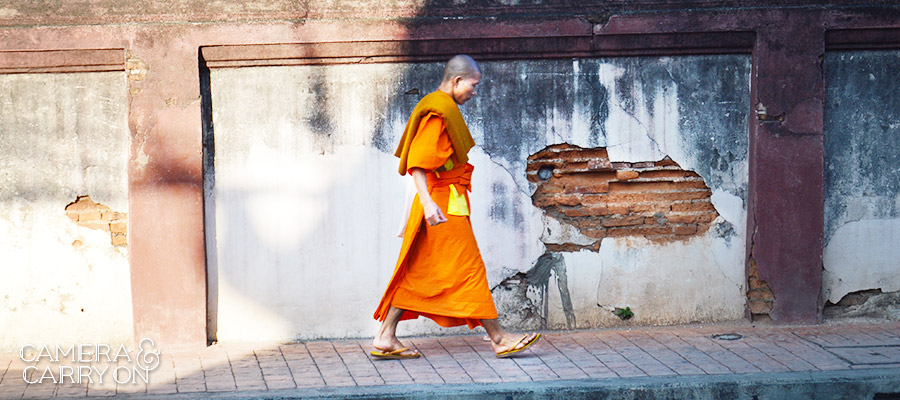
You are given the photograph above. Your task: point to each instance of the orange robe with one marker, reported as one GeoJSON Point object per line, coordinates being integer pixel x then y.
{"type": "Point", "coordinates": [440, 273]}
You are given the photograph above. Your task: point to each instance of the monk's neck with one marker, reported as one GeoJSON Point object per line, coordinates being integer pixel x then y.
{"type": "Point", "coordinates": [447, 87]}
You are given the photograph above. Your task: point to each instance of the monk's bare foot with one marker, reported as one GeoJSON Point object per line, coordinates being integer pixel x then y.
{"type": "Point", "coordinates": [389, 344]}
{"type": "Point", "coordinates": [512, 343]}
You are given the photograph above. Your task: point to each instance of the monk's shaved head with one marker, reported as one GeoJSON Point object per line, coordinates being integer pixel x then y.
{"type": "Point", "coordinates": [461, 76]}
{"type": "Point", "coordinates": [462, 66]}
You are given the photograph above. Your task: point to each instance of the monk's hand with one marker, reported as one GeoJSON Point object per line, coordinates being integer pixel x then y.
{"type": "Point", "coordinates": [433, 214]}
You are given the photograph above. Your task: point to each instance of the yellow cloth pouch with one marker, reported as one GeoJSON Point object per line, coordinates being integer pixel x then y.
{"type": "Point", "coordinates": [457, 204]}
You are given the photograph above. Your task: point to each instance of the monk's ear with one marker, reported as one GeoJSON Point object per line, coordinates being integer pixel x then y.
{"type": "Point", "coordinates": [456, 80]}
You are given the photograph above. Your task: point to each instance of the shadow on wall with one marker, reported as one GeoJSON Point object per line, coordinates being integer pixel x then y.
{"type": "Point", "coordinates": [297, 200]}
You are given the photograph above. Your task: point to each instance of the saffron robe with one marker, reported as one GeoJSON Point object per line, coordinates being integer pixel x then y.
{"type": "Point", "coordinates": [440, 273]}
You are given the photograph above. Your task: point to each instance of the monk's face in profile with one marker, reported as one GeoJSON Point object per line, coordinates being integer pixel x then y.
{"type": "Point", "coordinates": [464, 88]}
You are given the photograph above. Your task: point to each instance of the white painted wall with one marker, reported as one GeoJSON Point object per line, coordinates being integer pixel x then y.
{"type": "Point", "coordinates": [307, 198]}
{"type": "Point", "coordinates": [862, 255]}
{"type": "Point", "coordinates": [62, 136]}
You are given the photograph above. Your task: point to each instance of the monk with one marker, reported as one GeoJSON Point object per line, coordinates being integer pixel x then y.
{"type": "Point", "coordinates": [440, 274]}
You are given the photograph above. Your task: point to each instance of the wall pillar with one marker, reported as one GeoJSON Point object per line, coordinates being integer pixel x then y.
{"type": "Point", "coordinates": [168, 267]}
{"type": "Point", "coordinates": [786, 164]}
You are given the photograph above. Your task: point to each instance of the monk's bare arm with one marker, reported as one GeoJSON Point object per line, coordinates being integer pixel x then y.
{"type": "Point", "coordinates": [433, 213]}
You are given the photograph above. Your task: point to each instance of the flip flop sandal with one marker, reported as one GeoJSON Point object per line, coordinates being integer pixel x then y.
{"type": "Point", "coordinates": [395, 354]}
{"type": "Point", "coordinates": [513, 350]}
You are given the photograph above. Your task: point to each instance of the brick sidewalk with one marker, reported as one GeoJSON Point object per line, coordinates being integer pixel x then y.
{"type": "Point", "coordinates": [460, 360]}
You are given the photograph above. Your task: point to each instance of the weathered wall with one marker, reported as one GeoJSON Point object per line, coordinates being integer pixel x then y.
{"type": "Point", "coordinates": [65, 273]}
{"type": "Point", "coordinates": [862, 177]}
{"type": "Point", "coordinates": [786, 40]}
{"type": "Point", "coordinates": [307, 198]}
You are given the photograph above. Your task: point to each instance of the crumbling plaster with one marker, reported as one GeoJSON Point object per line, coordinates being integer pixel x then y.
{"type": "Point", "coordinates": [862, 180]}
{"type": "Point", "coordinates": [308, 199]}
{"type": "Point", "coordinates": [61, 136]}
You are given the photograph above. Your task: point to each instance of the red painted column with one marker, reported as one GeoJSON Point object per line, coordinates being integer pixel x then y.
{"type": "Point", "coordinates": [786, 203]}
{"type": "Point", "coordinates": [168, 265]}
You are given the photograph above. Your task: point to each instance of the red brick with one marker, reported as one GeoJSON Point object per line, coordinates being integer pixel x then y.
{"type": "Point", "coordinates": [119, 240]}
{"type": "Point", "coordinates": [760, 306]}
{"type": "Point", "coordinates": [595, 233]}
{"type": "Point", "coordinates": [692, 218]}
{"type": "Point", "coordinates": [687, 195]}
{"type": "Point", "coordinates": [626, 175]}
{"type": "Point", "coordinates": [760, 294]}
{"type": "Point", "coordinates": [652, 221]}
{"type": "Point", "coordinates": [112, 216]}
{"type": "Point", "coordinates": [695, 205]}
{"type": "Point", "coordinates": [583, 211]}
{"type": "Point", "coordinates": [576, 154]}
{"type": "Point", "coordinates": [651, 207]}
{"type": "Point", "coordinates": [118, 227]}
{"type": "Point", "coordinates": [667, 174]}
{"type": "Point", "coordinates": [587, 181]}
{"type": "Point", "coordinates": [588, 223]}
{"type": "Point", "coordinates": [572, 156]}
{"type": "Point", "coordinates": [593, 198]}
{"type": "Point", "coordinates": [618, 209]}
{"type": "Point", "coordinates": [666, 162]}
{"type": "Point", "coordinates": [756, 283]}
{"type": "Point", "coordinates": [576, 166]}
{"type": "Point", "coordinates": [685, 230]}
{"type": "Point", "coordinates": [655, 186]}
{"type": "Point", "coordinates": [543, 200]}
{"type": "Point", "coordinates": [568, 200]}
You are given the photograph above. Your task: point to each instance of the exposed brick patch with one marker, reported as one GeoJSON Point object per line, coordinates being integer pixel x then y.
{"type": "Point", "coordinates": [760, 298]}
{"type": "Point", "coordinates": [657, 200]}
{"type": "Point", "coordinates": [87, 213]}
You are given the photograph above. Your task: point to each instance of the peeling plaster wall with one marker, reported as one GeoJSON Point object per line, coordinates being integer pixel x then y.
{"type": "Point", "coordinates": [862, 177]}
{"type": "Point", "coordinates": [308, 201]}
{"type": "Point", "coordinates": [62, 136]}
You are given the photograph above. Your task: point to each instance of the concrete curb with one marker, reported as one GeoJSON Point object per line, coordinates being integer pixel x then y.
{"type": "Point", "coordinates": [879, 384]}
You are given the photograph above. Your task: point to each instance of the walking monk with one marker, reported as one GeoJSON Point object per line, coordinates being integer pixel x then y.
{"type": "Point", "coordinates": [440, 273]}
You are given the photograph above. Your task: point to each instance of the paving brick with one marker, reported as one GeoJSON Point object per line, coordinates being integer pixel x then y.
{"type": "Point", "coordinates": [136, 387]}
{"type": "Point", "coordinates": [339, 381]}
{"type": "Point", "coordinates": [819, 358]}
{"type": "Point", "coordinates": [280, 384]}
{"type": "Point", "coordinates": [220, 386]}
{"type": "Point", "coordinates": [309, 382]}
{"type": "Point", "coordinates": [561, 365]}
{"type": "Point", "coordinates": [695, 356]}
{"type": "Point", "coordinates": [716, 351]}
{"type": "Point", "coordinates": [663, 354]}
{"type": "Point", "coordinates": [13, 392]}
{"type": "Point", "coordinates": [167, 388]}
{"type": "Point", "coordinates": [609, 357]}
{"type": "Point", "coordinates": [76, 390]}
{"type": "Point", "coordinates": [637, 356]}
{"type": "Point", "coordinates": [754, 356]}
